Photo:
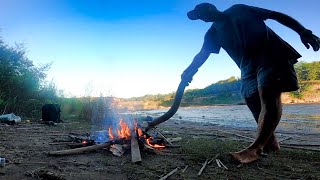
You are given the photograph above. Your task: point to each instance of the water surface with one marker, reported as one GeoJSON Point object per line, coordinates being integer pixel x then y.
{"type": "Point", "coordinates": [296, 117]}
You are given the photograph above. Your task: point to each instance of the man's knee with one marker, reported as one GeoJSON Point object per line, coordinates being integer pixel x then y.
{"type": "Point", "coordinates": [254, 104]}
{"type": "Point", "coordinates": [268, 94]}
{"type": "Point", "coordinates": [270, 100]}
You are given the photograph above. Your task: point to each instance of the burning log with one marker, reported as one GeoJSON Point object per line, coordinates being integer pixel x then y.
{"type": "Point", "coordinates": [80, 150]}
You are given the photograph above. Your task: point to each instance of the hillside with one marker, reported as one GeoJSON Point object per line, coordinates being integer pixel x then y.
{"type": "Point", "coordinates": [228, 92]}
{"type": "Point", "coordinates": [220, 93]}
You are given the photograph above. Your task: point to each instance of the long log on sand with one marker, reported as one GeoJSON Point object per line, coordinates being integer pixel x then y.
{"type": "Point", "coordinates": [79, 150]}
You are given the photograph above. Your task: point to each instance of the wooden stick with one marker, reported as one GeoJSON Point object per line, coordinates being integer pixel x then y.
{"type": "Point", "coordinates": [163, 137]}
{"type": "Point", "coordinates": [173, 146]}
{"type": "Point", "coordinates": [185, 168]}
{"type": "Point", "coordinates": [174, 139]}
{"type": "Point", "coordinates": [217, 161]}
{"type": "Point", "coordinates": [297, 144]}
{"type": "Point", "coordinates": [284, 139]}
{"type": "Point", "coordinates": [79, 150]}
{"type": "Point", "coordinates": [213, 158]}
{"type": "Point", "coordinates": [135, 150]}
{"type": "Point", "coordinates": [298, 147]}
{"type": "Point", "coordinates": [204, 165]}
{"type": "Point", "coordinates": [166, 176]}
{"type": "Point", "coordinates": [60, 143]}
{"type": "Point", "coordinates": [239, 135]}
{"type": "Point", "coordinates": [210, 161]}
{"type": "Point", "coordinates": [222, 164]}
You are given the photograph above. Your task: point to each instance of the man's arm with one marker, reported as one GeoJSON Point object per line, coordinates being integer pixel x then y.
{"type": "Point", "coordinates": [197, 62]}
{"type": "Point", "coordinates": [306, 35]}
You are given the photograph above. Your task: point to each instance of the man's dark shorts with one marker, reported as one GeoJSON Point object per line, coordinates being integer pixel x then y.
{"type": "Point", "coordinates": [280, 77]}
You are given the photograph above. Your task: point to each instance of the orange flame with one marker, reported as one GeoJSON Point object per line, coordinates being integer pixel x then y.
{"type": "Point", "coordinates": [110, 133]}
{"type": "Point", "coordinates": [136, 128]}
{"type": "Point", "coordinates": [124, 132]}
{"type": "Point", "coordinates": [154, 145]}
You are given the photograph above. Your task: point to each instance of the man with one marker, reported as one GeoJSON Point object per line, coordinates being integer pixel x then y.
{"type": "Point", "coordinates": [266, 63]}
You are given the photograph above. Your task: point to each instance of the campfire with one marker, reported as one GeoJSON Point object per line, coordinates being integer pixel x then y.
{"type": "Point", "coordinates": [126, 133]}
{"type": "Point", "coordinates": [118, 140]}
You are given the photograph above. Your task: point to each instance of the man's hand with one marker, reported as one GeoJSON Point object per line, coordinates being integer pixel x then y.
{"type": "Point", "coordinates": [308, 39]}
{"type": "Point", "coordinates": [150, 126]}
{"type": "Point", "coordinates": [187, 74]}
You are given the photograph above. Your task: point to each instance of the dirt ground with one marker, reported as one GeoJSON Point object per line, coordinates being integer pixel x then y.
{"type": "Point", "coordinates": [25, 147]}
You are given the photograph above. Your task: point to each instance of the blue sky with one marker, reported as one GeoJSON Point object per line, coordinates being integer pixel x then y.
{"type": "Point", "coordinates": [130, 48]}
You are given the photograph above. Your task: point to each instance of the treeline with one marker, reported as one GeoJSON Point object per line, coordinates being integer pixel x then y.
{"type": "Point", "coordinates": [23, 88]}
{"type": "Point", "coordinates": [222, 92]}
{"type": "Point", "coordinates": [308, 71]}
{"type": "Point", "coordinates": [228, 91]}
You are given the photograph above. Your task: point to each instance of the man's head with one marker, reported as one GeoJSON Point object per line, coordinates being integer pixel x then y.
{"type": "Point", "coordinates": [204, 11]}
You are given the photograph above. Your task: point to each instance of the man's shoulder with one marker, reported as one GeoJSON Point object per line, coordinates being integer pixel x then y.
{"type": "Point", "coordinates": [237, 7]}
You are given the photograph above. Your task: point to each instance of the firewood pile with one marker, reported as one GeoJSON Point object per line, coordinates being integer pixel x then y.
{"type": "Point", "coordinates": [125, 140]}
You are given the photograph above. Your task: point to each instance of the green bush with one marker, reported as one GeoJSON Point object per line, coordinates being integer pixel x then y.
{"type": "Point", "coordinates": [23, 88]}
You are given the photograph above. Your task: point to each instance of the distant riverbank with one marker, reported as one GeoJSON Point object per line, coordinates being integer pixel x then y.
{"type": "Point", "coordinates": [303, 118]}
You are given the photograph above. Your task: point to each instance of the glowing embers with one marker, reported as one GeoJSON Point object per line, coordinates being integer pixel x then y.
{"type": "Point", "coordinates": [150, 142]}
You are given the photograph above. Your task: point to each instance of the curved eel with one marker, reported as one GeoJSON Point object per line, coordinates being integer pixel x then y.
{"type": "Point", "coordinates": [174, 108]}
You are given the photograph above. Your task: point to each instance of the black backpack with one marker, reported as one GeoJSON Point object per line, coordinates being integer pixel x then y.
{"type": "Point", "coordinates": [51, 112]}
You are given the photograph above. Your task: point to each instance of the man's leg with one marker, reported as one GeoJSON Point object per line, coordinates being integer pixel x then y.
{"type": "Point", "coordinates": [254, 104]}
{"type": "Point", "coordinates": [269, 118]}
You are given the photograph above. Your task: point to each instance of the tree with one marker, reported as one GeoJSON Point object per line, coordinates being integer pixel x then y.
{"type": "Point", "coordinates": [23, 89]}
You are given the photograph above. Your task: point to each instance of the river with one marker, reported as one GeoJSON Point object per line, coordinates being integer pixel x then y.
{"type": "Point", "coordinates": [304, 118]}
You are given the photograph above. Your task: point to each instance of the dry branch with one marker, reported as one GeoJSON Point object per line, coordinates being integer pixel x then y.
{"type": "Point", "coordinates": [239, 135]}
{"type": "Point", "coordinates": [79, 150]}
{"type": "Point", "coordinates": [302, 148]}
{"type": "Point", "coordinates": [185, 168]}
{"type": "Point", "coordinates": [166, 176]}
{"type": "Point", "coordinates": [204, 165]}
{"type": "Point", "coordinates": [222, 164]}
{"type": "Point", "coordinates": [218, 163]}
{"type": "Point", "coordinates": [280, 141]}
{"type": "Point", "coordinates": [163, 137]}
{"type": "Point", "coordinates": [174, 139]}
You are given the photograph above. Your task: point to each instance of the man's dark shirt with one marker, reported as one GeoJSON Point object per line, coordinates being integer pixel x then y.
{"type": "Point", "coordinates": [247, 39]}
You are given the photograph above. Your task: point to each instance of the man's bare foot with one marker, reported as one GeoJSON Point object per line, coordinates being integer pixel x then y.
{"type": "Point", "coordinates": [246, 155]}
{"type": "Point", "coordinates": [272, 145]}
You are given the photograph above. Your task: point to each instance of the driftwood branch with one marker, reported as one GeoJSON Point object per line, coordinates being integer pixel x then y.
{"type": "Point", "coordinates": [79, 150]}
